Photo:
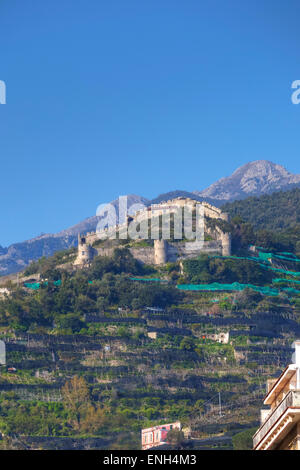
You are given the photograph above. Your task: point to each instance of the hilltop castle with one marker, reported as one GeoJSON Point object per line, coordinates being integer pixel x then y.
{"type": "Point", "coordinates": [165, 250]}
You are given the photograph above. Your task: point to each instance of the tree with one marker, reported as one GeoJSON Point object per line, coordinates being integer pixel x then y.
{"type": "Point", "coordinates": [248, 298]}
{"type": "Point", "coordinates": [94, 419]}
{"type": "Point", "coordinates": [243, 440]}
{"type": "Point", "coordinates": [175, 437]}
{"type": "Point", "coordinates": [70, 321]}
{"type": "Point", "coordinates": [187, 344]}
{"type": "Point", "coordinates": [76, 397]}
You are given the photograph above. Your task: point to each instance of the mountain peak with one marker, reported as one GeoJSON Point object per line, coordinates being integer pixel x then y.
{"type": "Point", "coordinates": [253, 178]}
{"type": "Point", "coordinates": [262, 168]}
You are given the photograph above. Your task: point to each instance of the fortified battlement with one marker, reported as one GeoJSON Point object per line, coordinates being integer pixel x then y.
{"type": "Point", "coordinates": [214, 212]}
{"type": "Point", "coordinates": [86, 252]}
{"type": "Point", "coordinates": [163, 250]}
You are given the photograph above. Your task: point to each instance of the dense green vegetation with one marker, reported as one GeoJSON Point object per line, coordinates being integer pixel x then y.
{"type": "Point", "coordinates": [44, 264]}
{"type": "Point", "coordinates": [206, 269]}
{"type": "Point", "coordinates": [243, 440]}
{"type": "Point", "coordinates": [81, 379]}
{"type": "Point", "coordinates": [104, 285]}
{"type": "Point", "coordinates": [92, 362]}
{"type": "Point", "coordinates": [276, 211]}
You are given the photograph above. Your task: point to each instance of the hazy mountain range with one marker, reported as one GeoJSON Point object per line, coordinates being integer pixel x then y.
{"type": "Point", "coordinates": [254, 178]}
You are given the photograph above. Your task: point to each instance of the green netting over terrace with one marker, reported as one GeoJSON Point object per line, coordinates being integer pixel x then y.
{"type": "Point", "coordinates": [291, 290]}
{"type": "Point", "coordinates": [262, 256]}
{"type": "Point", "coordinates": [250, 258]}
{"type": "Point", "coordinates": [37, 285]}
{"type": "Point", "coordinates": [283, 271]}
{"type": "Point", "coordinates": [286, 255]}
{"type": "Point", "coordinates": [293, 259]}
{"type": "Point", "coordinates": [151, 279]}
{"type": "Point", "coordinates": [234, 287]}
{"type": "Point", "coordinates": [265, 258]}
{"type": "Point", "coordinates": [279, 280]}
{"type": "Point", "coordinates": [32, 285]}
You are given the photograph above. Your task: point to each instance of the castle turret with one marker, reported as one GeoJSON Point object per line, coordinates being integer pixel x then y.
{"type": "Point", "coordinates": [85, 252]}
{"type": "Point", "coordinates": [226, 243]}
{"type": "Point", "coordinates": [160, 251]}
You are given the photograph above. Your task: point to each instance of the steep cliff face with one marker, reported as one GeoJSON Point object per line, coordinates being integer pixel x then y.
{"type": "Point", "coordinates": [254, 178]}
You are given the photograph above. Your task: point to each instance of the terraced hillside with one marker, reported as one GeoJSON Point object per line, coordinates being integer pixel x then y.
{"type": "Point", "coordinates": [141, 381]}
{"type": "Point", "coordinates": [95, 355]}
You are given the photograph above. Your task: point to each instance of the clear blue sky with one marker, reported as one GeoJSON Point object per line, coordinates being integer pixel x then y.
{"type": "Point", "coordinates": [109, 97]}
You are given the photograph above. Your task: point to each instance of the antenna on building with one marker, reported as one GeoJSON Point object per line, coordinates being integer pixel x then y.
{"type": "Point", "coordinates": [220, 405]}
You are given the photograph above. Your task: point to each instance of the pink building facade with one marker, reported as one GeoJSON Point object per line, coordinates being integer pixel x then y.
{"type": "Point", "coordinates": [157, 435]}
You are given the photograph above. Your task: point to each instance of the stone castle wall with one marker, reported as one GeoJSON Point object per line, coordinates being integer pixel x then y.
{"type": "Point", "coordinates": [164, 251]}
{"type": "Point", "coordinates": [214, 212]}
{"type": "Point", "coordinates": [143, 254]}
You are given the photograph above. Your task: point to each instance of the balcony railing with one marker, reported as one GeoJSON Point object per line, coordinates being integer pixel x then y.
{"type": "Point", "coordinates": [292, 399]}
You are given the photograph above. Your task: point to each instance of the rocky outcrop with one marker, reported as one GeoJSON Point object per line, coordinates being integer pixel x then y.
{"type": "Point", "coordinates": [254, 178]}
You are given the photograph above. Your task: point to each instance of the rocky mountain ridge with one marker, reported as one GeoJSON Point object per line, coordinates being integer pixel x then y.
{"type": "Point", "coordinates": [254, 178]}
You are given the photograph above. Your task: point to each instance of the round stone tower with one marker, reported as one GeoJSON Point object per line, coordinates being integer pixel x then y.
{"type": "Point", "coordinates": [226, 244]}
{"type": "Point", "coordinates": [160, 251]}
{"type": "Point", "coordinates": [85, 251]}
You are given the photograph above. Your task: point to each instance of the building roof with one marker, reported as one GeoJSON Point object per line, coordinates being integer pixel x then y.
{"type": "Point", "coordinates": [280, 383]}
{"type": "Point", "coordinates": [161, 426]}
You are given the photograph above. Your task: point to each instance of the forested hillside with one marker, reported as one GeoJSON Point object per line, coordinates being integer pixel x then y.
{"type": "Point", "coordinates": [277, 211]}
{"type": "Point", "coordinates": [95, 355]}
